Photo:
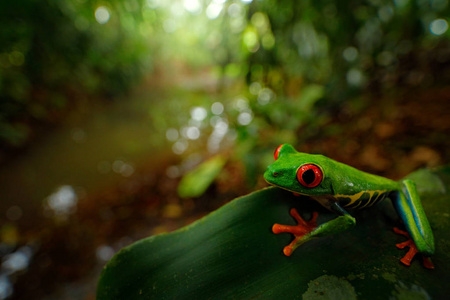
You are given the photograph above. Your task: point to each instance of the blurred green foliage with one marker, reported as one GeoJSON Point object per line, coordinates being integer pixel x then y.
{"type": "Point", "coordinates": [195, 183]}
{"type": "Point", "coordinates": [302, 61]}
{"type": "Point", "coordinates": [54, 54]}
{"type": "Point", "coordinates": [347, 45]}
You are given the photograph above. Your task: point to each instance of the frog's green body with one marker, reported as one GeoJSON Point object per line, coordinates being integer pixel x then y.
{"type": "Point", "coordinates": [337, 186]}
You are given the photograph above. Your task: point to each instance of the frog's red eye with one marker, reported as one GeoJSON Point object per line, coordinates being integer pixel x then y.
{"type": "Point", "coordinates": [277, 152]}
{"type": "Point", "coordinates": [309, 175]}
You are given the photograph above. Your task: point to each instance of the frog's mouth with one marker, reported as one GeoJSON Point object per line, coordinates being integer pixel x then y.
{"type": "Point", "coordinates": [270, 176]}
{"type": "Point", "coordinates": [273, 176]}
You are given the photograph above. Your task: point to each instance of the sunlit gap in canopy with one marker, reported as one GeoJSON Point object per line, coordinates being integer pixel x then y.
{"type": "Point", "coordinates": [214, 9]}
{"type": "Point", "coordinates": [193, 6]}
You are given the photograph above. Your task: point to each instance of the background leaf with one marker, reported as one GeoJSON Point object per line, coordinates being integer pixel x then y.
{"type": "Point", "coordinates": [195, 182]}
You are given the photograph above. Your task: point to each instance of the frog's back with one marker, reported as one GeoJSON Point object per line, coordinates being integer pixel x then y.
{"type": "Point", "coordinates": [356, 189]}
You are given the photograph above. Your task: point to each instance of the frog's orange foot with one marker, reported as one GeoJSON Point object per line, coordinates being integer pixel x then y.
{"type": "Point", "coordinates": [299, 231]}
{"type": "Point", "coordinates": [412, 250]}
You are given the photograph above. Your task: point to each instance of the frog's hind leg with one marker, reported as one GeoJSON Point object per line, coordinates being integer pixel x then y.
{"type": "Point", "coordinates": [412, 250]}
{"type": "Point", "coordinates": [409, 208]}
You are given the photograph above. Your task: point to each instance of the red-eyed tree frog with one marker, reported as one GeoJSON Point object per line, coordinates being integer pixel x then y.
{"type": "Point", "coordinates": [337, 186]}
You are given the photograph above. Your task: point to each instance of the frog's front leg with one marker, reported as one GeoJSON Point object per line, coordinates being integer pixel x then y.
{"type": "Point", "coordinates": [308, 230]}
{"type": "Point", "coordinates": [409, 208]}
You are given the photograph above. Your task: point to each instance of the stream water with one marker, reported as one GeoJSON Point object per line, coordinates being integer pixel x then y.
{"type": "Point", "coordinates": [95, 148]}
{"type": "Point", "coordinates": [91, 150]}
{"type": "Point", "coordinates": [56, 228]}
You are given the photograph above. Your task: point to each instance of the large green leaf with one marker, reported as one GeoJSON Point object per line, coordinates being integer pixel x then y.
{"type": "Point", "coordinates": [232, 253]}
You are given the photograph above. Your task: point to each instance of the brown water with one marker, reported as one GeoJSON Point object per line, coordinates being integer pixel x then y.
{"type": "Point", "coordinates": [95, 149]}
{"type": "Point", "coordinates": [91, 150]}
{"type": "Point", "coordinates": [89, 187]}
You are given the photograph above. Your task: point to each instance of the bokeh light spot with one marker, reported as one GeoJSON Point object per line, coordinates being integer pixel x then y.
{"type": "Point", "coordinates": [172, 134]}
{"type": "Point", "coordinates": [265, 95]}
{"type": "Point", "coordinates": [198, 113]}
{"type": "Point", "coordinates": [6, 288]}
{"type": "Point", "coordinates": [235, 10]}
{"type": "Point", "coordinates": [438, 26]}
{"type": "Point", "coordinates": [102, 15]}
{"type": "Point", "coordinates": [17, 261]}
{"type": "Point", "coordinates": [250, 39]}
{"type": "Point", "coordinates": [193, 6]}
{"type": "Point", "coordinates": [355, 77]}
{"type": "Point", "coordinates": [192, 133]}
{"type": "Point", "coordinates": [122, 168]}
{"type": "Point", "coordinates": [213, 10]}
{"type": "Point", "coordinates": [105, 253]}
{"type": "Point", "coordinates": [350, 54]}
{"type": "Point", "coordinates": [217, 108]}
{"type": "Point", "coordinates": [254, 88]}
{"type": "Point", "coordinates": [179, 147]}
{"type": "Point", "coordinates": [63, 201]}
{"type": "Point", "coordinates": [245, 118]}
{"type": "Point", "coordinates": [241, 104]}
{"type": "Point", "coordinates": [173, 172]}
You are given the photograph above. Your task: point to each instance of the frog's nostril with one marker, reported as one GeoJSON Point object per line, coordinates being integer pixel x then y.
{"type": "Point", "coordinates": [275, 174]}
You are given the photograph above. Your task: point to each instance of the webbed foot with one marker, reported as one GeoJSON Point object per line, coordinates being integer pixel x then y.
{"type": "Point", "coordinates": [300, 231]}
{"type": "Point", "coordinates": [412, 250]}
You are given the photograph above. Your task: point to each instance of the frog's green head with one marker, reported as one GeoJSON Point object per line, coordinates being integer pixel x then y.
{"type": "Point", "coordinates": [297, 172]}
